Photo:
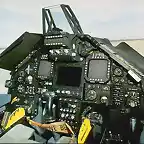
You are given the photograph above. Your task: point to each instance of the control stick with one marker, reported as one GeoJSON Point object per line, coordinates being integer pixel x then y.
{"type": "Point", "coordinates": [49, 96]}
{"type": "Point", "coordinates": [133, 124]}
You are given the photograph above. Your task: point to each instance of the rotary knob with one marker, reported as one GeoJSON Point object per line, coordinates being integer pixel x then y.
{"type": "Point", "coordinates": [62, 115]}
{"type": "Point", "coordinates": [29, 79]}
{"type": "Point", "coordinates": [74, 106]}
{"type": "Point", "coordinates": [104, 99]}
{"type": "Point", "coordinates": [66, 51]}
{"type": "Point", "coordinates": [67, 115]}
{"type": "Point", "coordinates": [67, 110]}
{"type": "Point", "coordinates": [132, 103]}
{"type": "Point", "coordinates": [8, 84]}
{"type": "Point", "coordinates": [57, 51]}
{"type": "Point", "coordinates": [72, 117]}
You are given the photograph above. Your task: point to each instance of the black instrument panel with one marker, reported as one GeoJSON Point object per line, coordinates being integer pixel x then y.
{"type": "Point", "coordinates": [72, 81]}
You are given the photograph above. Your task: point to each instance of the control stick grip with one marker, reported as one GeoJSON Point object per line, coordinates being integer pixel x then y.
{"type": "Point", "coordinates": [49, 106]}
{"type": "Point", "coordinates": [49, 103]}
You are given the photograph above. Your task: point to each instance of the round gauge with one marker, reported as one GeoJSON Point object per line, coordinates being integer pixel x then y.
{"type": "Point", "coordinates": [21, 88]}
{"type": "Point", "coordinates": [118, 72]}
{"type": "Point", "coordinates": [21, 73]}
{"type": "Point", "coordinates": [91, 95]}
{"type": "Point", "coordinates": [20, 79]}
{"type": "Point", "coordinates": [133, 94]}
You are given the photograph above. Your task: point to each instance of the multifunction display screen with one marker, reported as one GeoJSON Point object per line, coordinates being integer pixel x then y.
{"type": "Point", "coordinates": [44, 68]}
{"type": "Point", "coordinates": [97, 69]}
{"type": "Point", "coordinates": [69, 76]}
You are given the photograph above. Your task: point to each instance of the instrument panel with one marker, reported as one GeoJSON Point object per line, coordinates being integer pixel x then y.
{"type": "Point", "coordinates": [74, 74]}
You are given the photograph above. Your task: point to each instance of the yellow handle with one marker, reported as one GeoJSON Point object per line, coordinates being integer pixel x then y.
{"type": "Point", "coordinates": [84, 131]}
{"type": "Point", "coordinates": [15, 116]}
